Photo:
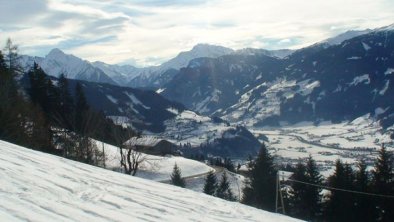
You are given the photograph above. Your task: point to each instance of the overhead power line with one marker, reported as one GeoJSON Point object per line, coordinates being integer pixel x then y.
{"type": "Point", "coordinates": [344, 190]}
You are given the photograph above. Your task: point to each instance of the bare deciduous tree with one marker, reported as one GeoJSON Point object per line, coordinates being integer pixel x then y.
{"type": "Point", "coordinates": [130, 158]}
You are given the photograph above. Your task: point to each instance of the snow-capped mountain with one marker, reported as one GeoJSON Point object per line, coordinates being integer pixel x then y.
{"type": "Point", "coordinates": [198, 51]}
{"type": "Point", "coordinates": [121, 74]}
{"type": "Point", "coordinates": [73, 191]}
{"type": "Point", "coordinates": [280, 53]}
{"type": "Point", "coordinates": [154, 77]}
{"type": "Point", "coordinates": [57, 62]}
{"type": "Point", "coordinates": [157, 76]}
{"type": "Point", "coordinates": [337, 82]}
{"type": "Point", "coordinates": [345, 36]}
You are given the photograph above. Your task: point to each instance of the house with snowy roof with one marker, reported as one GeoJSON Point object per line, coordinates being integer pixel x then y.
{"type": "Point", "coordinates": [152, 145]}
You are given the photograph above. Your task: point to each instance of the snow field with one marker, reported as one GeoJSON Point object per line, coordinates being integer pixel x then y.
{"type": "Point", "coordinates": [35, 186]}
{"type": "Point", "coordinates": [157, 168]}
{"type": "Point", "coordinates": [327, 142]}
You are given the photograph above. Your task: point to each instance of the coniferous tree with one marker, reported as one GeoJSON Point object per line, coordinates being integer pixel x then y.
{"type": "Point", "coordinates": [11, 123]}
{"type": "Point", "coordinates": [229, 165]}
{"type": "Point", "coordinates": [176, 177]}
{"type": "Point", "coordinates": [38, 89]}
{"type": "Point", "coordinates": [364, 205]}
{"type": "Point", "coordinates": [20, 121]}
{"type": "Point", "coordinates": [259, 190]}
{"type": "Point", "coordinates": [52, 99]}
{"type": "Point", "coordinates": [43, 102]}
{"type": "Point", "coordinates": [313, 196]}
{"type": "Point", "coordinates": [306, 199]}
{"type": "Point", "coordinates": [298, 205]}
{"type": "Point", "coordinates": [383, 184]}
{"type": "Point", "coordinates": [11, 56]}
{"type": "Point", "coordinates": [81, 110]}
{"type": "Point", "coordinates": [341, 202]}
{"type": "Point", "coordinates": [211, 184]}
{"type": "Point", "coordinates": [66, 103]}
{"type": "Point", "coordinates": [223, 191]}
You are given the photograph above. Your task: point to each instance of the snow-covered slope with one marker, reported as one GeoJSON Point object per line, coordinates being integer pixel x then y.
{"type": "Point", "coordinates": [336, 40]}
{"type": "Point", "coordinates": [41, 187]}
{"type": "Point", "coordinates": [157, 168]}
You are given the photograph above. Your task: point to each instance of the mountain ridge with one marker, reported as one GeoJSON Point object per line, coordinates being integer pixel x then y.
{"type": "Point", "coordinates": [153, 77]}
{"type": "Point", "coordinates": [304, 86]}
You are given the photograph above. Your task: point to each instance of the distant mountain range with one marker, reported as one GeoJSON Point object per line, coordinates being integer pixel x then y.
{"type": "Point", "coordinates": [332, 80]}
{"type": "Point", "coordinates": [154, 77]}
{"type": "Point", "coordinates": [57, 62]}
{"type": "Point", "coordinates": [336, 79]}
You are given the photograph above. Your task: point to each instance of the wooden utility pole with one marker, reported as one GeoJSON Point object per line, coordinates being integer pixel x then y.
{"type": "Point", "coordinates": [279, 195]}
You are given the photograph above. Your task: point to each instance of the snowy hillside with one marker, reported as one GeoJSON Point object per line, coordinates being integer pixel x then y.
{"type": "Point", "coordinates": [41, 187]}
{"type": "Point", "coordinates": [157, 168]}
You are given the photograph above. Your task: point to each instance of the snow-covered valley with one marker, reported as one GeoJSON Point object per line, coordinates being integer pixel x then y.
{"type": "Point", "coordinates": [35, 186]}
{"type": "Point", "coordinates": [327, 142]}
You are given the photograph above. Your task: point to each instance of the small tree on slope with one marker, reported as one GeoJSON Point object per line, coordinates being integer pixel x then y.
{"type": "Point", "coordinates": [176, 177]}
{"type": "Point", "coordinates": [211, 184]}
{"type": "Point", "coordinates": [223, 191]}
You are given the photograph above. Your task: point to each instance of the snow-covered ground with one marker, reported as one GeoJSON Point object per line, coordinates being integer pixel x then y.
{"type": "Point", "coordinates": [326, 142]}
{"type": "Point", "coordinates": [236, 181]}
{"type": "Point", "coordinates": [35, 186]}
{"type": "Point", "coordinates": [158, 168]}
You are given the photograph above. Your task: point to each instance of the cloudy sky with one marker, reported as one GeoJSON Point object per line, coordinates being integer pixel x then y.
{"type": "Point", "coordinates": [148, 32]}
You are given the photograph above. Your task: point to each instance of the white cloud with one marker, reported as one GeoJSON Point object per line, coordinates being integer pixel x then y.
{"type": "Point", "coordinates": [151, 31]}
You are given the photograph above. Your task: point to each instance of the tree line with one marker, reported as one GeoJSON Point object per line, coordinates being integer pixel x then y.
{"type": "Point", "coordinates": [212, 186]}
{"type": "Point", "coordinates": [352, 193]}
{"type": "Point", "coordinates": [49, 115]}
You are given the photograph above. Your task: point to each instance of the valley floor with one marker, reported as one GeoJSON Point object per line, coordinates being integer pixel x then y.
{"type": "Point", "coordinates": [327, 142]}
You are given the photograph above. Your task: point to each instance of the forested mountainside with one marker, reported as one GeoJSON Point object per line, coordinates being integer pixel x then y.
{"type": "Point", "coordinates": [321, 82]}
